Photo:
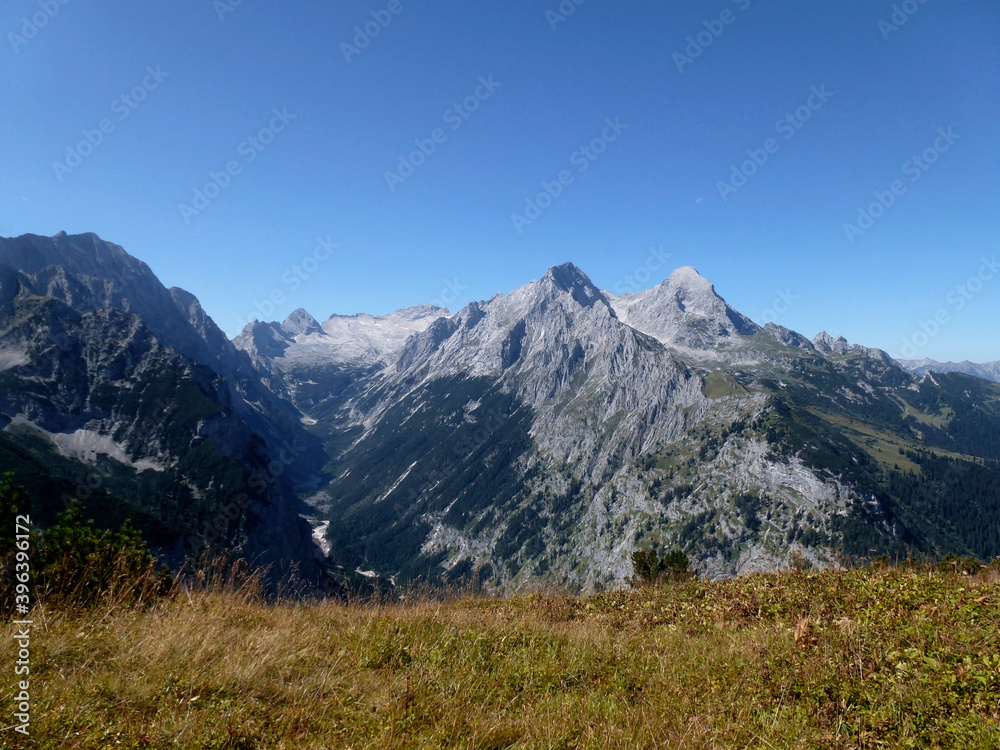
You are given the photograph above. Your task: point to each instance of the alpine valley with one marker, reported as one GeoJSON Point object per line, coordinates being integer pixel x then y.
{"type": "Point", "coordinates": [537, 438]}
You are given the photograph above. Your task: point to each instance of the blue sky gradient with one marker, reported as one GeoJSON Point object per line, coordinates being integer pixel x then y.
{"type": "Point", "coordinates": [199, 81]}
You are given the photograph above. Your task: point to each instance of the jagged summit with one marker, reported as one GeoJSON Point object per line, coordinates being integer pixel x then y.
{"type": "Point", "coordinates": [263, 342]}
{"type": "Point", "coordinates": [827, 344]}
{"type": "Point", "coordinates": [570, 279]}
{"type": "Point", "coordinates": [788, 336]}
{"type": "Point", "coordinates": [359, 339]}
{"type": "Point", "coordinates": [91, 274]}
{"type": "Point", "coordinates": [300, 323]}
{"type": "Point", "coordinates": [78, 254]}
{"type": "Point", "coordinates": [535, 436]}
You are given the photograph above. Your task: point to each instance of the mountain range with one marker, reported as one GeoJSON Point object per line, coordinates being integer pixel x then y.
{"type": "Point", "coordinates": [535, 438]}
{"type": "Point", "coordinates": [984, 370]}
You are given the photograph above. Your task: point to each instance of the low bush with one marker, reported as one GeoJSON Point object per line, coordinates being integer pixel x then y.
{"type": "Point", "coordinates": [72, 562]}
{"type": "Point", "coordinates": [649, 567]}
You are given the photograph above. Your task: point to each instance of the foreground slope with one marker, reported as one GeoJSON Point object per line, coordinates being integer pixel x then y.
{"type": "Point", "coordinates": [838, 660]}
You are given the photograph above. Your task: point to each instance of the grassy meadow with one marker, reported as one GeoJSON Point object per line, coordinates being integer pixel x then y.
{"type": "Point", "coordinates": [882, 657]}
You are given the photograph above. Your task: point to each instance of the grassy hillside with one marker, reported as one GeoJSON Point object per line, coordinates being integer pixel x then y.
{"type": "Point", "coordinates": [881, 657]}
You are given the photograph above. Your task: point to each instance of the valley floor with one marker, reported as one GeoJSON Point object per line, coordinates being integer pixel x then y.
{"type": "Point", "coordinates": [881, 657]}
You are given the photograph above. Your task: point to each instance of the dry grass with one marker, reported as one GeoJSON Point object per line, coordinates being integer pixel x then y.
{"type": "Point", "coordinates": [901, 657]}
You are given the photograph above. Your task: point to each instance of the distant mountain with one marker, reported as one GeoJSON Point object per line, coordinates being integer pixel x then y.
{"type": "Point", "coordinates": [985, 370]}
{"type": "Point", "coordinates": [538, 437]}
{"type": "Point", "coordinates": [684, 311]}
{"type": "Point", "coordinates": [358, 340]}
{"type": "Point", "coordinates": [306, 363]}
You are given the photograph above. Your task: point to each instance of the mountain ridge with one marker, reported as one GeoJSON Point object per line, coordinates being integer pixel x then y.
{"type": "Point", "coordinates": [984, 370]}
{"type": "Point", "coordinates": [538, 437]}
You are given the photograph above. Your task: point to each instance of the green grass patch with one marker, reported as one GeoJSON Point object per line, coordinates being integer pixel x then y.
{"type": "Point", "coordinates": [877, 657]}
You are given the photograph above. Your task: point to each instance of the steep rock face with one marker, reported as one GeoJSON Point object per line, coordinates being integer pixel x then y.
{"type": "Point", "coordinates": [89, 274]}
{"type": "Point", "coordinates": [82, 291]}
{"type": "Point", "coordinates": [684, 311]}
{"type": "Point", "coordinates": [300, 323]}
{"type": "Point", "coordinates": [568, 403]}
{"type": "Point", "coordinates": [136, 429]}
{"type": "Point", "coordinates": [312, 365]}
{"type": "Point", "coordinates": [544, 434]}
{"type": "Point", "coordinates": [536, 437]}
{"type": "Point", "coordinates": [824, 342]}
{"type": "Point", "coordinates": [559, 347]}
{"type": "Point", "coordinates": [263, 342]}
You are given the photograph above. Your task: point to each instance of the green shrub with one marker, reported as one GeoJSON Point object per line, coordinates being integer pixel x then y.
{"type": "Point", "coordinates": [961, 565]}
{"type": "Point", "coordinates": [74, 563]}
{"type": "Point", "coordinates": [649, 567]}
{"type": "Point", "coordinates": [12, 503]}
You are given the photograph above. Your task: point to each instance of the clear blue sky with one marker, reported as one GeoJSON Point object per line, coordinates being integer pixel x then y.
{"type": "Point", "coordinates": [655, 185]}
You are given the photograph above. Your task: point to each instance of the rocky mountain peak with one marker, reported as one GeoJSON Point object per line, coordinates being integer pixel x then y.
{"type": "Point", "coordinates": [827, 343]}
{"type": "Point", "coordinates": [259, 339]}
{"type": "Point", "coordinates": [301, 323]}
{"type": "Point", "coordinates": [688, 275]}
{"type": "Point", "coordinates": [683, 311]}
{"type": "Point", "coordinates": [569, 279]}
{"type": "Point", "coordinates": [90, 274]}
{"type": "Point", "coordinates": [82, 255]}
{"type": "Point", "coordinates": [692, 292]}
